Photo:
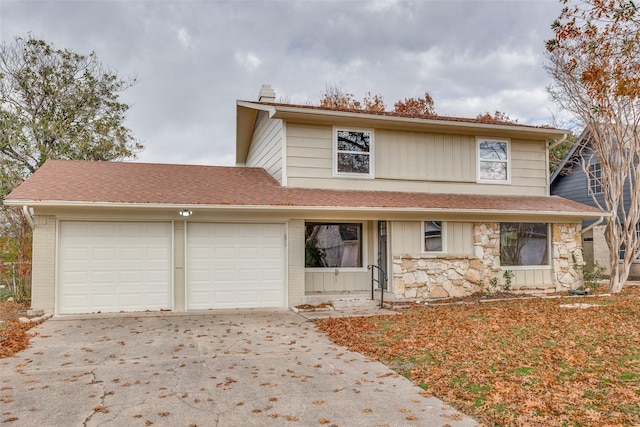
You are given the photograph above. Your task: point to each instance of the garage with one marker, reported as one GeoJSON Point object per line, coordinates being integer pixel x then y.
{"type": "Point", "coordinates": [235, 265]}
{"type": "Point", "coordinates": [114, 266]}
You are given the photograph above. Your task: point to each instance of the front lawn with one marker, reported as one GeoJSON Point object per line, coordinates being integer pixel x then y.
{"type": "Point", "coordinates": [533, 362]}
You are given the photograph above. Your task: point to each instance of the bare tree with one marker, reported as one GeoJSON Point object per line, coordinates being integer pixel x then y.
{"type": "Point", "coordinates": [594, 60]}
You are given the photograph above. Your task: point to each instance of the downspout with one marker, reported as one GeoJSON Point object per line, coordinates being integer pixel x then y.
{"type": "Point", "coordinates": [27, 215]}
{"type": "Point", "coordinates": [558, 142]}
{"type": "Point", "coordinates": [589, 227]}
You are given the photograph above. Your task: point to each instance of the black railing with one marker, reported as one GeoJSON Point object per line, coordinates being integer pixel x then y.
{"type": "Point", "coordinates": [373, 269]}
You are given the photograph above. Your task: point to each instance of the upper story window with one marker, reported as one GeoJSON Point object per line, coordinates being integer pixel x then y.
{"type": "Point", "coordinates": [434, 232]}
{"type": "Point", "coordinates": [595, 178]}
{"type": "Point", "coordinates": [494, 160]}
{"type": "Point", "coordinates": [353, 149]}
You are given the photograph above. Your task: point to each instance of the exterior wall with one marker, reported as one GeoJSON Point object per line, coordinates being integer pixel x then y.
{"type": "Point", "coordinates": [412, 161]}
{"type": "Point", "coordinates": [567, 256]}
{"type": "Point", "coordinates": [600, 248]}
{"type": "Point", "coordinates": [266, 146]}
{"type": "Point", "coordinates": [295, 264]}
{"type": "Point", "coordinates": [601, 254]}
{"type": "Point", "coordinates": [407, 237]}
{"type": "Point", "coordinates": [179, 266]}
{"type": "Point", "coordinates": [343, 280]}
{"type": "Point", "coordinates": [45, 247]}
{"type": "Point", "coordinates": [449, 275]}
{"type": "Point", "coordinates": [44, 261]}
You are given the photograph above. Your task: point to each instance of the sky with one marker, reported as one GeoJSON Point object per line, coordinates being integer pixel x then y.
{"type": "Point", "coordinates": [194, 58]}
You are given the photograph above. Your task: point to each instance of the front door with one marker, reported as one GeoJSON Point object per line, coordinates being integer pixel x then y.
{"type": "Point", "coordinates": [382, 254]}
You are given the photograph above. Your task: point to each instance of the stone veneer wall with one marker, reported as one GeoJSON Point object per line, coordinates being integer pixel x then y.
{"type": "Point", "coordinates": [461, 275]}
{"type": "Point", "coordinates": [567, 256]}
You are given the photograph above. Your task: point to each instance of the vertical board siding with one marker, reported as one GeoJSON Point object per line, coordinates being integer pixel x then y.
{"type": "Point", "coordinates": [424, 156]}
{"type": "Point", "coordinates": [318, 281]}
{"type": "Point", "coordinates": [406, 238]}
{"type": "Point", "coordinates": [412, 161]}
{"type": "Point", "coordinates": [266, 147]}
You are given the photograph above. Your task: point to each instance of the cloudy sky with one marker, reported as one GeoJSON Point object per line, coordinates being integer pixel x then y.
{"type": "Point", "coordinates": [195, 58]}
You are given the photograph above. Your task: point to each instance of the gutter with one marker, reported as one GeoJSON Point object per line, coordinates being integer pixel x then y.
{"type": "Point", "coordinates": [558, 142]}
{"type": "Point", "coordinates": [305, 208]}
{"type": "Point", "coordinates": [589, 227]}
{"type": "Point", "coordinates": [27, 215]}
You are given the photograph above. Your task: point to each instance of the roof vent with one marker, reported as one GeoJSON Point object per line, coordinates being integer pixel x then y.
{"type": "Point", "coordinates": [267, 94]}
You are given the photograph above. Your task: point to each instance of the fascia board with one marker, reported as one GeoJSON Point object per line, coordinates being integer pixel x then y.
{"type": "Point", "coordinates": [410, 122]}
{"type": "Point", "coordinates": [304, 209]}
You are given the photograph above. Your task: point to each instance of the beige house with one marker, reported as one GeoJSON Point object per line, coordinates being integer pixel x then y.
{"type": "Point", "coordinates": [318, 196]}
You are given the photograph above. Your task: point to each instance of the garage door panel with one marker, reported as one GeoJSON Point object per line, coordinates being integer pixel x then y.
{"type": "Point", "coordinates": [114, 266]}
{"type": "Point", "coordinates": [245, 265]}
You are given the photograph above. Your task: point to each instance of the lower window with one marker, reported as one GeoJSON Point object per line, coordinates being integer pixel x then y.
{"type": "Point", "coordinates": [333, 245]}
{"type": "Point", "coordinates": [433, 236]}
{"type": "Point", "coordinates": [524, 243]}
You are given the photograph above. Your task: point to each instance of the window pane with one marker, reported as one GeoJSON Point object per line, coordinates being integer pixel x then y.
{"type": "Point", "coordinates": [353, 163]}
{"type": "Point", "coordinates": [495, 171]}
{"type": "Point", "coordinates": [354, 141]}
{"type": "Point", "coordinates": [433, 236]}
{"type": "Point", "coordinates": [333, 245]}
{"type": "Point", "coordinates": [493, 150]}
{"type": "Point", "coordinates": [523, 244]}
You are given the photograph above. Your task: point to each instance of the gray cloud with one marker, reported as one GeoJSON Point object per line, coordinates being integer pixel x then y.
{"type": "Point", "coordinates": [195, 58]}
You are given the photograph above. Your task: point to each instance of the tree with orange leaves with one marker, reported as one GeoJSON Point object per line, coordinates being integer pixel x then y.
{"type": "Point", "coordinates": [594, 59]}
{"type": "Point", "coordinates": [416, 107]}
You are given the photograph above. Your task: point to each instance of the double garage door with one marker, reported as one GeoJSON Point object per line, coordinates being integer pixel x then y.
{"type": "Point", "coordinates": [127, 266]}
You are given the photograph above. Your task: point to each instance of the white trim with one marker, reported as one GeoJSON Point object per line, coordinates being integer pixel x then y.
{"type": "Point", "coordinates": [282, 110]}
{"type": "Point", "coordinates": [443, 238]}
{"type": "Point", "coordinates": [283, 171]}
{"type": "Point", "coordinates": [334, 149]}
{"type": "Point", "coordinates": [508, 162]}
{"type": "Point", "coordinates": [289, 209]}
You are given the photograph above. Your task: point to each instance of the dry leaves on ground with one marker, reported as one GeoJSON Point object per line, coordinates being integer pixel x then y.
{"type": "Point", "coordinates": [525, 362]}
{"type": "Point", "coordinates": [13, 334]}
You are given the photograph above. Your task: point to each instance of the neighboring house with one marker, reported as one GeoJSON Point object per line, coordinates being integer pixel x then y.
{"type": "Point", "coordinates": [317, 196]}
{"type": "Point", "coordinates": [571, 182]}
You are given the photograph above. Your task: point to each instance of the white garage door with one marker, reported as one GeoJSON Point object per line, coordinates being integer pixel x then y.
{"type": "Point", "coordinates": [235, 265]}
{"type": "Point", "coordinates": [114, 266]}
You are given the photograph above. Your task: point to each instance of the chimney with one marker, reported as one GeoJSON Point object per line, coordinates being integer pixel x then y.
{"type": "Point", "coordinates": [267, 94]}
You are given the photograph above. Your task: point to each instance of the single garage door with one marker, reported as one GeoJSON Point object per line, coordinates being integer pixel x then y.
{"type": "Point", "coordinates": [235, 265]}
{"type": "Point", "coordinates": [114, 266]}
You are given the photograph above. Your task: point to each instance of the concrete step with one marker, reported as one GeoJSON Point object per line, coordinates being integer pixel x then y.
{"type": "Point", "coordinates": [343, 300]}
{"type": "Point", "coordinates": [354, 301]}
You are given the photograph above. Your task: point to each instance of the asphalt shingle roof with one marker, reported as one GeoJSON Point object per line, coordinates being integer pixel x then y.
{"type": "Point", "coordinates": [60, 181]}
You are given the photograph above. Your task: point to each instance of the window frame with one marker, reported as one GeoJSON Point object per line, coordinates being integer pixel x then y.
{"type": "Point", "coordinates": [480, 161]}
{"type": "Point", "coordinates": [362, 247]}
{"type": "Point", "coordinates": [336, 152]}
{"type": "Point", "coordinates": [547, 266]}
{"type": "Point", "coordinates": [594, 178]}
{"type": "Point", "coordinates": [443, 238]}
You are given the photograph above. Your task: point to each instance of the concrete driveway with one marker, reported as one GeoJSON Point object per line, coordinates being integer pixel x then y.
{"type": "Point", "coordinates": [231, 368]}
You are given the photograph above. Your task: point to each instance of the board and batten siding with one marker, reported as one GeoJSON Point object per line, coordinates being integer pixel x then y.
{"type": "Point", "coordinates": [266, 147]}
{"type": "Point", "coordinates": [412, 161]}
{"type": "Point", "coordinates": [406, 238]}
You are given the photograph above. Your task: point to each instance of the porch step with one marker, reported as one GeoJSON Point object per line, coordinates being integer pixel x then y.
{"type": "Point", "coordinates": [354, 301]}
{"type": "Point", "coordinates": [343, 300]}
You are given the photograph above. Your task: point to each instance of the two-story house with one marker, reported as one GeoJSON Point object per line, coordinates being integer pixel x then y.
{"type": "Point", "coordinates": [443, 205]}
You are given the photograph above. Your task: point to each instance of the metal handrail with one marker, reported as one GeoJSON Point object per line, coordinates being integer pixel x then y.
{"type": "Point", "coordinates": [373, 267]}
